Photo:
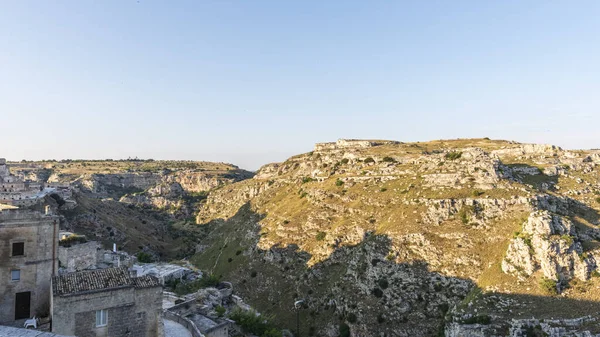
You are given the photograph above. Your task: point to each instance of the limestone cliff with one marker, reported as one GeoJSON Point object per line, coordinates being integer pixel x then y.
{"type": "Point", "coordinates": [414, 239]}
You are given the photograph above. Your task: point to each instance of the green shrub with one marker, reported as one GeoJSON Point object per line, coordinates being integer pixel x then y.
{"type": "Point", "coordinates": [383, 283]}
{"type": "Point", "coordinates": [444, 307]}
{"type": "Point", "coordinates": [253, 323]}
{"type": "Point", "coordinates": [453, 155]}
{"type": "Point", "coordinates": [369, 160]}
{"type": "Point", "coordinates": [567, 238]}
{"type": "Point", "coordinates": [303, 194]}
{"type": "Point", "coordinates": [482, 319]}
{"type": "Point", "coordinates": [377, 292]}
{"type": "Point", "coordinates": [307, 180]}
{"type": "Point", "coordinates": [220, 310]}
{"type": "Point", "coordinates": [144, 257]}
{"type": "Point", "coordinates": [344, 330]}
{"type": "Point", "coordinates": [383, 189]}
{"type": "Point", "coordinates": [344, 161]}
{"type": "Point", "coordinates": [465, 214]}
{"type": "Point", "coordinates": [339, 182]}
{"type": "Point", "coordinates": [206, 281]}
{"type": "Point", "coordinates": [253, 273]}
{"type": "Point", "coordinates": [598, 200]}
{"type": "Point", "coordinates": [477, 193]}
{"type": "Point", "coordinates": [525, 236]}
{"type": "Point", "coordinates": [380, 319]}
{"type": "Point", "coordinates": [352, 317]}
{"type": "Point", "coordinates": [535, 331]}
{"type": "Point", "coordinates": [321, 236]}
{"type": "Point", "coordinates": [273, 332]}
{"type": "Point", "coordinates": [388, 160]}
{"type": "Point", "coordinates": [548, 286]}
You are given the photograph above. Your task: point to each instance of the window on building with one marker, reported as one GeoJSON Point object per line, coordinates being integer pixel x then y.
{"type": "Point", "coordinates": [15, 275]}
{"type": "Point", "coordinates": [101, 317]}
{"type": "Point", "coordinates": [18, 248]}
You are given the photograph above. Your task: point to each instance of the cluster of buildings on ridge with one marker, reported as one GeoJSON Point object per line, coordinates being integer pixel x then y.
{"type": "Point", "coordinates": [82, 289]}
{"type": "Point", "coordinates": [16, 191]}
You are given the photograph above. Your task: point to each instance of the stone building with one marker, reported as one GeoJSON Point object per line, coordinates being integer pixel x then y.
{"type": "Point", "coordinates": [28, 260]}
{"type": "Point", "coordinates": [106, 302]}
{"type": "Point", "coordinates": [77, 256]}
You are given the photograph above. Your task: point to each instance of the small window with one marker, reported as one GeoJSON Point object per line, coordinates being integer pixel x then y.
{"type": "Point", "coordinates": [101, 317]}
{"type": "Point", "coordinates": [15, 275]}
{"type": "Point", "coordinates": [18, 249]}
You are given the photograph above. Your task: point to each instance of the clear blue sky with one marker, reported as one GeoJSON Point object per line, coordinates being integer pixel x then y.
{"type": "Point", "coordinates": [252, 82]}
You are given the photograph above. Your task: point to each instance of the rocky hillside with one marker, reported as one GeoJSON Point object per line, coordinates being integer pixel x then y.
{"type": "Point", "coordinates": [142, 205]}
{"type": "Point", "coordinates": [380, 238]}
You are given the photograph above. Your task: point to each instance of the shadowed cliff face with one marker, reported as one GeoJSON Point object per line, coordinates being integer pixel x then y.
{"type": "Point", "coordinates": [357, 284]}
{"type": "Point", "coordinates": [498, 216]}
{"type": "Point", "coordinates": [360, 285]}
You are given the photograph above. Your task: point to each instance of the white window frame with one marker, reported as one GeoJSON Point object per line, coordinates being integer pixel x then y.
{"type": "Point", "coordinates": [12, 278]}
{"type": "Point", "coordinates": [101, 318]}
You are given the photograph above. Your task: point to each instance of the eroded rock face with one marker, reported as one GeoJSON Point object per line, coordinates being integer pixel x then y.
{"type": "Point", "coordinates": [548, 242]}
{"type": "Point", "coordinates": [99, 183]}
{"type": "Point", "coordinates": [451, 208]}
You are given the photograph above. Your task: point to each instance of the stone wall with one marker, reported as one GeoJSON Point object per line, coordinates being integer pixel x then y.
{"type": "Point", "coordinates": [40, 235]}
{"type": "Point", "coordinates": [79, 256]}
{"type": "Point", "coordinates": [131, 312]}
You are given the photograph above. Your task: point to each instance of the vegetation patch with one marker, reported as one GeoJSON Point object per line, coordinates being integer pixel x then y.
{"type": "Point", "coordinates": [182, 288]}
{"type": "Point", "coordinates": [453, 155]}
{"type": "Point", "coordinates": [479, 319]}
{"type": "Point", "coordinates": [144, 257]}
{"type": "Point", "coordinates": [254, 323]}
{"type": "Point", "coordinates": [548, 286]}
{"type": "Point", "coordinates": [344, 330]}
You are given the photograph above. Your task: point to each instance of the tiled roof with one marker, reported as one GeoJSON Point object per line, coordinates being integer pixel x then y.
{"type": "Point", "coordinates": [145, 281]}
{"type": "Point", "coordinates": [97, 280]}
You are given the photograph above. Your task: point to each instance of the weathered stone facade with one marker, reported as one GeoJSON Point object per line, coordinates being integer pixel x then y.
{"type": "Point", "coordinates": [132, 305]}
{"type": "Point", "coordinates": [78, 256]}
{"type": "Point", "coordinates": [28, 251]}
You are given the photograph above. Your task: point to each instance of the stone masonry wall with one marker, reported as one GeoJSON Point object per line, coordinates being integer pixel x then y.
{"type": "Point", "coordinates": [78, 257]}
{"type": "Point", "coordinates": [131, 313]}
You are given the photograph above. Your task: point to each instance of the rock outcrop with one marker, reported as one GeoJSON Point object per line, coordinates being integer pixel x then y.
{"type": "Point", "coordinates": [479, 214]}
